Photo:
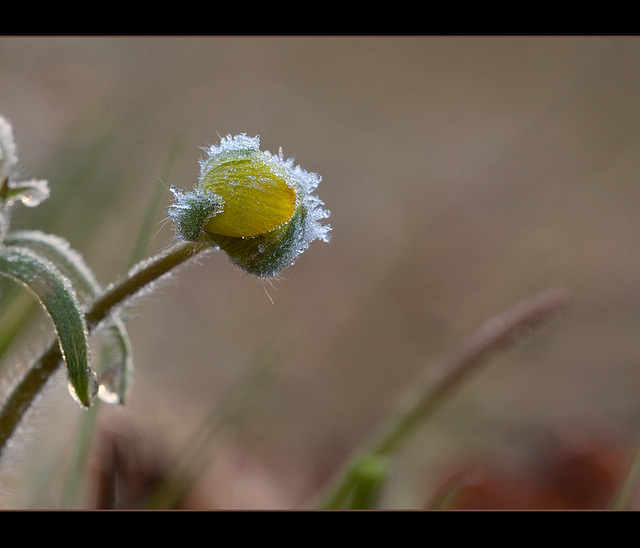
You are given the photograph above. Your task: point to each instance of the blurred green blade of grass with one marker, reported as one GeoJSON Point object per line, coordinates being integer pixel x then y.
{"type": "Point", "coordinates": [146, 232]}
{"type": "Point", "coordinates": [220, 423]}
{"type": "Point", "coordinates": [140, 249]}
{"type": "Point", "coordinates": [15, 309]}
{"type": "Point", "coordinates": [368, 475]}
{"type": "Point", "coordinates": [494, 334]}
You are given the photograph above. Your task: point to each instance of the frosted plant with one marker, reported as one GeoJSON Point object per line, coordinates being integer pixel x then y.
{"type": "Point", "coordinates": [257, 207]}
{"type": "Point", "coordinates": [262, 211]}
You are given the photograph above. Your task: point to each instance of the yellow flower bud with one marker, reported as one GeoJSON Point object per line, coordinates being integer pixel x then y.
{"type": "Point", "coordinates": [256, 196]}
{"type": "Point", "coordinates": [257, 207]}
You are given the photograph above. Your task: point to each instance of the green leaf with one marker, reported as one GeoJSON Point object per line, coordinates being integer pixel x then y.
{"type": "Point", "coordinates": [59, 251]}
{"type": "Point", "coordinates": [57, 296]}
{"type": "Point", "coordinates": [116, 379]}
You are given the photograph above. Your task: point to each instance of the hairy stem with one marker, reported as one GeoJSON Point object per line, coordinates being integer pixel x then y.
{"type": "Point", "coordinates": [139, 278]}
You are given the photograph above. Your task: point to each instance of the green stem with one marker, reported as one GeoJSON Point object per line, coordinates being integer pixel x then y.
{"type": "Point", "coordinates": [139, 278]}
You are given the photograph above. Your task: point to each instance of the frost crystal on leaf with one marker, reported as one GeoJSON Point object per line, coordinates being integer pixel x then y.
{"type": "Point", "coordinates": [30, 193]}
{"type": "Point", "coordinates": [190, 211]}
{"type": "Point", "coordinates": [231, 143]}
{"type": "Point", "coordinates": [307, 182]}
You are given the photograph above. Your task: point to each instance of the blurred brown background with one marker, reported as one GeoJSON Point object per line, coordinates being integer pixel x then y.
{"type": "Point", "coordinates": [463, 175]}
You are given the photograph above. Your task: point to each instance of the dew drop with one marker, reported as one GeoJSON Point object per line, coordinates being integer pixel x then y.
{"type": "Point", "coordinates": [34, 193]}
{"type": "Point", "coordinates": [93, 388]}
{"type": "Point", "coordinates": [110, 386]}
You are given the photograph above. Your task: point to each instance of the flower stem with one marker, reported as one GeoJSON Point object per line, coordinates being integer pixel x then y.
{"type": "Point", "coordinates": [139, 278]}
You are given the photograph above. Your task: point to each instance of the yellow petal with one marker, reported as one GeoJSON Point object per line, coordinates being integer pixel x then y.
{"type": "Point", "coordinates": [256, 198]}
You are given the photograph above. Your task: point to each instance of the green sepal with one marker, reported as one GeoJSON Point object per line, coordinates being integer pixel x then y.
{"type": "Point", "coordinates": [117, 378]}
{"type": "Point", "coordinates": [58, 297]}
{"type": "Point", "coordinates": [266, 254]}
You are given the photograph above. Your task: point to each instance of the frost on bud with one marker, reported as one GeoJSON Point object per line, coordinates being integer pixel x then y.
{"type": "Point", "coordinates": [257, 207]}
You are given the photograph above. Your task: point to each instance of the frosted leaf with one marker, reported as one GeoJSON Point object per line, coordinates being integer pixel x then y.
{"type": "Point", "coordinates": [190, 211]}
{"type": "Point", "coordinates": [30, 193]}
{"type": "Point", "coordinates": [232, 143]}
{"type": "Point", "coordinates": [8, 154]}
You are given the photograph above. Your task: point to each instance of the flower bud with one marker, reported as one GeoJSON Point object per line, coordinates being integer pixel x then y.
{"type": "Point", "coordinates": [257, 207]}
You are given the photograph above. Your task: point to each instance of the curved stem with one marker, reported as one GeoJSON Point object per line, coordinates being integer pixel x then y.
{"type": "Point", "coordinates": [139, 278]}
{"type": "Point", "coordinates": [492, 335]}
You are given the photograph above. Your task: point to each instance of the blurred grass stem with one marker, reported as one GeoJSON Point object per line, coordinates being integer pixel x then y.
{"type": "Point", "coordinates": [222, 421]}
{"type": "Point", "coordinates": [492, 335]}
